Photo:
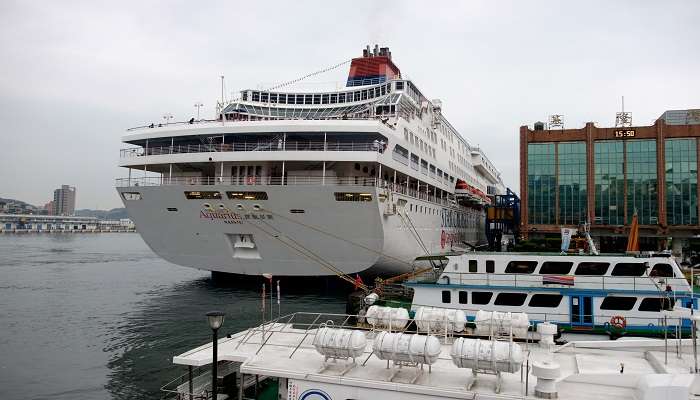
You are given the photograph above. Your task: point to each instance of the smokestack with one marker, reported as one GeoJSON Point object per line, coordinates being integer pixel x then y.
{"type": "Point", "coordinates": [376, 50]}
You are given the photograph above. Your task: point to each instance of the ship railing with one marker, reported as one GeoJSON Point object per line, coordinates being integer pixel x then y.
{"type": "Point", "coordinates": [628, 283]}
{"type": "Point", "coordinates": [252, 146]}
{"type": "Point", "coordinates": [364, 181]}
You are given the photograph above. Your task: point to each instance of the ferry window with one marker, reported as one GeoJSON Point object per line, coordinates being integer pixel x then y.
{"type": "Point", "coordinates": [317, 99]}
{"type": "Point", "coordinates": [618, 303]}
{"type": "Point", "coordinates": [655, 304]}
{"type": "Point", "coordinates": [301, 97]}
{"type": "Point", "coordinates": [341, 98]}
{"type": "Point", "coordinates": [263, 97]}
{"type": "Point", "coordinates": [521, 267]}
{"type": "Point", "coordinates": [324, 99]}
{"type": "Point", "coordinates": [510, 299]}
{"type": "Point", "coordinates": [256, 96]}
{"type": "Point", "coordinates": [334, 98]}
{"type": "Point", "coordinates": [137, 196]}
{"type": "Point", "coordinates": [357, 96]}
{"type": "Point", "coordinates": [399, 85]}
{"type": "Point", "coordinates": [556, 267]}
{"type": "Point", "coordinates": [202, 195]}
{"type": "Point", "coordinates": [545, 300]}
{"type": "Point", "coordinates": [308, 99]}
{"type": "Point", "coordinates": [364, 95]}
{"type": "Point", "coordinates": [348, 196]}
{"type": "Point", "coordinates": [481, 297]}
{"type": "Point", "coordinates": [628, 269]}
{"type": "Point", "coordinates": [282, 98]}
{"type": "Point", "coordinates": [592, 268]}
{"type": "Point", "coordinates": [473, 266]}
{"type": "Point", "coordinates": [247, 195]}
{"type": "Point", "coordinates": [463, 297]}
{"type": "Point", "coordinates": [490, 266]}
{"type": "Point", "coordinates": [446, 296]}
{"type": "Point", "coordinates": [663, 270]}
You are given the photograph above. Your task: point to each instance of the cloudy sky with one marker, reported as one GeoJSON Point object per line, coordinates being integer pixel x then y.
{"type": "Point", "coordinates": [75, 75]}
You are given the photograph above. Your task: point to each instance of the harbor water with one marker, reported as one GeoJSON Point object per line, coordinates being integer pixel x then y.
{"type": "Point", "coordinates": [100, 316]}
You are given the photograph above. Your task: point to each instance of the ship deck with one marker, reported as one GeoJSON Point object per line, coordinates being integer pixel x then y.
{"type": "Point", "coordinates": [589, 369]}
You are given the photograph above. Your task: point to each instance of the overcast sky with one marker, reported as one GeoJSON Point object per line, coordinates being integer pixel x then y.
{"type": "Point", "coordinates": [75, 75]}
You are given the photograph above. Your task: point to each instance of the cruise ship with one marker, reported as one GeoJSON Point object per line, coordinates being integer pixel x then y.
{"type": "Point", "coordinates": [358, 180]}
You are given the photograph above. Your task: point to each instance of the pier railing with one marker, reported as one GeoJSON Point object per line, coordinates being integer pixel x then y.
{"type": "Point", "coordinates": [275, 145]}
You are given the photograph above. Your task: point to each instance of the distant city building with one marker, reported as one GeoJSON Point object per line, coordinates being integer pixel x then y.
{"type": "Point", "coordinates": [64, 200]}
{"type": "Point", "coordinates": [49, 208]}
{"type": "Point", "coordinates": [604, 175]}
{"type": "Point", "coordinates": [25, 223]}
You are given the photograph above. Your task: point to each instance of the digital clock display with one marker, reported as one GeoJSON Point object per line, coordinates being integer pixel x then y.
{"type": "Point", "coordinates": [624, 133]}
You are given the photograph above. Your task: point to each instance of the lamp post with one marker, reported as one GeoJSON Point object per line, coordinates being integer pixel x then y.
{"type": "Point", "coordinates": [198, 106]}
{"type": "Point", "coordinates": [215, 319]}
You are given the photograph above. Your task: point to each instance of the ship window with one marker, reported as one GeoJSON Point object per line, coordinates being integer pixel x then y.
{"type": "Point", "coordinates": [655, 304]}
{"type": "Point", "coordinates": [282, 98]}
{"type": "Point", "coordinates": [446, 296]}
{"type": "Point", "coordinates": [556, 267]}
{"type": "Point", "coordinates": [399, 85]}
{"type": "Point", "coordinates": [628, 269]}
{"type": "Point", "coordinates": [341, 98]}
{"type": "Point", "coordinates": [618, 303]}
{"type": "Point", "coordinates": [247, 195]}
{"type": "Point", "coordinates": [356, 96]}
{"type": "Point", "coordinates": [334, 98]}
{"type": "Point", "coordinates": [296, 211]}
{"type": "Point", "coordinates": [490, 266]}
{"type": "Point", "coordinates": [273, 97]}
{"type": "Point", "coordinates": [324, 99]}
{"type": "Point", "coordinates": [481, 297]}
{"type": "Point", "coordinates": [308, 99]}
{"type": "Point", "coordinates": [317, 99]}
{"type": "Point", "coordinates": [349, 196]}
{"type": "Point", "coordinates": [256, 96]}
{"type": "Point", "coordinates": [663, 270]}
{"type": "Point", "coordinates": [263, 97]}
{"type": "Point", "coordinates": [463, 297]}
{"type": "Point", "coordinates": [473, 265]}
{"type": "Point", "coordinates": [135, 196]}
{"type": "Point", "coordinates": [172, 209]}
{"type": "Point", "coordinates": [521, 267]}
{"type": "Point", "coordinates": [545, 300]}
{"type": "Point", "coordinates": [202, 195]}
{"type": "Point", "coordinates": [510, 299]}
{"type": "Point", "coordinates": [300, 99]}
{"type": "Point", "coordinates": [592, 268]}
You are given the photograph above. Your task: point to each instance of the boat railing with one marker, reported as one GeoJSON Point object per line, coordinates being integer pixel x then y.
{"type": "Point", "coordinates": [364, 181]}
{"type": "Point", "coordinates": [629, 283]}
{"type": "Point", "coordinates": [248, 146]}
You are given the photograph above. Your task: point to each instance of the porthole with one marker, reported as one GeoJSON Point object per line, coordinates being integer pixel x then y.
{"type": "Point", "coordinates": [239, 206]}
{"type": "Point", "coordinates": [256, 207]}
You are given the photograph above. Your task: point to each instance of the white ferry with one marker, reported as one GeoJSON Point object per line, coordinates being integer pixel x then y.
{"type": "Point", "coordinates": [306, 357]}
{"type": "Point", "coordinates": [614, 294]}
{"type": "Point", "coordinates": [364, 178]}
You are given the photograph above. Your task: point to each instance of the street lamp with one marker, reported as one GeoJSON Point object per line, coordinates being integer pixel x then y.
{"type": "Point", "coordinates": [198, 106]}
{"type": "Point", "coordinates": [215, 319]}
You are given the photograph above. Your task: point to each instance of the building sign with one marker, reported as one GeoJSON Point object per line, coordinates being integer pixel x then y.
{"type": "Point", "coordinates": [624, 133]}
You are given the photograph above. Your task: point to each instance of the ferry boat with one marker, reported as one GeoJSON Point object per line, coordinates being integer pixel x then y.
{"type": "Point", "coordinates": [615, 294]}
{"type": "Point", "coordinates": [305, 356]}
{"type": "Point", "coordinates": [361, 179]}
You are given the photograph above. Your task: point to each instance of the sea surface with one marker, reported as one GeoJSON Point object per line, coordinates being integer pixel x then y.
{"type": "Point", "coordinates": [100, 316]}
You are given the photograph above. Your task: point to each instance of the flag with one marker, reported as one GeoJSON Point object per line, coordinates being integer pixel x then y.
{"type": "Point", "coordinates": [558, 280]}
{"type": "Point", "coordinates": [358, 281]}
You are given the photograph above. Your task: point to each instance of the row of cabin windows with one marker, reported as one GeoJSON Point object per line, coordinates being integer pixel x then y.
{"type": "Point", "coordinates": [584, 268]}
{"type": "Point", "coordinates": [327, 98]}
{"type": "Point", "coordinates": [619, 303]}
{"type": "Point", "coordinates": [504, 299]}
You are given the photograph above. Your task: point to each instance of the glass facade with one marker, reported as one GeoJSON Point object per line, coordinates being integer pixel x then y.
{"type": "Point", "coordinates": [609, 182]}
{"type": "Point", "coordinates": [642, 190]}
{"type": "Point", "coordinates": [681, 181]}
{"type": "Point", "coordinates": [541, 183]}
{"type": "Point", "coordinates": [571, 159]}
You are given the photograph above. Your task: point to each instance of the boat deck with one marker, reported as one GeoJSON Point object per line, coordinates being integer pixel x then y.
{"type": "Point", "coordinates": [589, 369]}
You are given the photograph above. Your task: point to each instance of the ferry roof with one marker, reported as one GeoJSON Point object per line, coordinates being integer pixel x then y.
{"type": "Point", "coordinates": [589, 369]}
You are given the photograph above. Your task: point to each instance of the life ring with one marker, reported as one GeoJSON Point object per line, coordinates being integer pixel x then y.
{"type": "Point", "coordinates": [618, 322]}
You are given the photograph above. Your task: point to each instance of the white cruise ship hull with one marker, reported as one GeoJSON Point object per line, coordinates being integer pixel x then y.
{"type": "Point", "coordinates": [297, 231]}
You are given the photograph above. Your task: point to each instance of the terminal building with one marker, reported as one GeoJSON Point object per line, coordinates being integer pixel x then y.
{"type": "Point", "coordinates": [604, 175]}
